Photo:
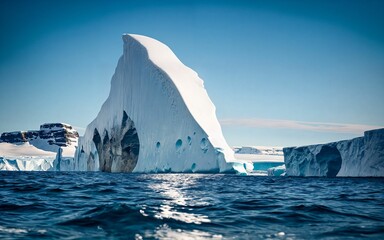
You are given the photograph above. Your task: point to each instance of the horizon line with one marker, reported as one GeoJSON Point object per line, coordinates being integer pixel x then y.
{"type": "Point", "coordinates": [299, 125]}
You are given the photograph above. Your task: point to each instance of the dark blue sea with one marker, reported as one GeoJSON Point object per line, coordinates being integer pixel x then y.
{"type": "Point", "coordinates": [49, 205]}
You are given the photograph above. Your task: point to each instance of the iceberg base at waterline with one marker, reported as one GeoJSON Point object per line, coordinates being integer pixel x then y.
{"type": "Point", "coordinates": [278, 171]}
{"type": "Point", "coordinates": [258, 159]}
{"type": "Point", "coordinates": [358, 157]}
{"type": "Point", "coordinates": [26, 157]}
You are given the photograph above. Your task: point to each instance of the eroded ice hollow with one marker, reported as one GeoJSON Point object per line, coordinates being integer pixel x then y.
{"type": "Point", "coordinates": [158, 118]}
{"type": "Point", "coordinates": [358, 157]}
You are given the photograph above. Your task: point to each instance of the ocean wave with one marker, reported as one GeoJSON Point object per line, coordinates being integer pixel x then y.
{"type": "Point", "coordinates": [188, 206]}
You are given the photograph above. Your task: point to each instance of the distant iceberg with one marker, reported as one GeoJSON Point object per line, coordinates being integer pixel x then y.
{"type": "Point", "coordinates": [257, 160]}
{"type": "Point", "coordinates": [277, 171]}
{"type": "Point", "coordinates": [25, 157]}
{"type": "Point", "coordinates": [358, 157]}
{"type": "Point", "coordinates": [158, 118]}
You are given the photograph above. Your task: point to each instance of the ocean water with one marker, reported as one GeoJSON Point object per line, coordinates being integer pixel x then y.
{"type": "Point", "coordinates": [64, 205]}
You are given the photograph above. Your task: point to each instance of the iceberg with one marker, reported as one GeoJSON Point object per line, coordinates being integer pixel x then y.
{"type": "Point", "coordinates": [258, 159]}
{"type": "Point", "coordinates": [158, 118]}
{"type": "Point", "coordinates": [276, 171]}
{"type": "Point", "coordinates": [24, 157]}
{"type": "Point", "coordinates": [64, 160]}
{"type": "Point", "coordinates": [358, 157]}
{"type": "Point", "coordinates": [23, 163]}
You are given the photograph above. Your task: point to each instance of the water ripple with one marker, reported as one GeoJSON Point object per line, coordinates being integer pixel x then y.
{"type": "Point", "coordinates": [188, 206]}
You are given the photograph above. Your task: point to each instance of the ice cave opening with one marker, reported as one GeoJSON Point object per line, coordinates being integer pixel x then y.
{"type": "Point", "coordinates": [329, 159]}
{"type": "Point", "coordinates": [97, 141]}
{"type": "Point", "coordinates": [130, 146]}
{"type": "Point", "coordinates": [119, 150]}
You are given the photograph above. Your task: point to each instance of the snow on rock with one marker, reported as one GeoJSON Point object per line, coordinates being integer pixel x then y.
{"type": "Point", "coordinates": [50, 137]}
{"type": "Point", "coordinates": [158, 118]}
{"type": "Point", "coordinates": [259, 150]}
{"type": "Point", "coordinates": [358, 157]}
{"type": "Point", "coordinates": [259, 153]}
{"type": "Point", "coordinates": [247, 150]}
{"type": "Point", "coordinates": [37, 150]}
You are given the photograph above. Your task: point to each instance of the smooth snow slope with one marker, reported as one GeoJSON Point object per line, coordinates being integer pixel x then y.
{"type": "Point", "coordinates": [23, 149]}
{"type": "Point", "coordinates": [158, 118]}
{"type": "Point", "coordinates": [25, 157]}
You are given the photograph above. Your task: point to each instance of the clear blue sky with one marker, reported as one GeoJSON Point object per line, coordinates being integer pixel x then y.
{"type": "Point", "coordinates": [280, 73]}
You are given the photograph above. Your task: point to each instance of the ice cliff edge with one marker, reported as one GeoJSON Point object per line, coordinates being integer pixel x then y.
{"type": "Point", "coordinates": [158, 118]}
{"type": "Point", "coordinates": [358, 157]}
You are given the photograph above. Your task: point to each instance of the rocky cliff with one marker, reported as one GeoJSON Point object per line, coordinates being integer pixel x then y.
{"type": "Point", "coordinates": [59, 134]}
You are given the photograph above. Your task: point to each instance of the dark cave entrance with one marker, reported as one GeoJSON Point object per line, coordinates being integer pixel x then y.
{"type": "Point", "coordinates": [130, 150]}
{"type": "Point", "coordinates": [329, 159]}
{"type": "Point", "coordinates": [130, 144]}
{"type": "Point", "coordinates": [120, 151]}
{"type": "Point", "coordinates": [97, 141]}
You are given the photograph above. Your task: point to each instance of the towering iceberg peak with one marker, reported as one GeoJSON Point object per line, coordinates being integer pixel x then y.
{"type": "Point", "coordinates": [158, 118]}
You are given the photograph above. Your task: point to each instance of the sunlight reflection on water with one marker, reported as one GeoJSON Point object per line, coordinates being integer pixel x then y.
{"type": "Point", "coordinates": [173, 190]}
{"type": "Point", "coordinates": [188, 206]}
{"type": "Point", "coordinates": [165, 232]}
